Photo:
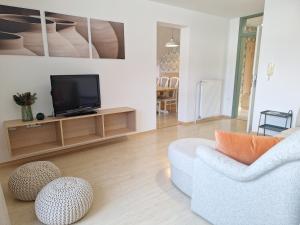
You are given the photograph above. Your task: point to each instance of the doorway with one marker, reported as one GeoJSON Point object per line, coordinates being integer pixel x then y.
{"type": "Point", "coordinates": [247, 61]}
{"type": "Point", "coordinates": [168, 76]}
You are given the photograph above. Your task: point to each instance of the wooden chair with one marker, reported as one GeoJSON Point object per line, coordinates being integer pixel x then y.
{"type": "Point", "coordinates": [163, 82]}
{"type": "Point", "coordinates": [169, 99]}
{"type": "Point", "coordinates": [174, 82]}
{"type": "Point", "coordinates": [157, 81]}
{"type": "Point", "coordinates": [172, 100]}
{"type": "Point", "coordinates": [158, 106]}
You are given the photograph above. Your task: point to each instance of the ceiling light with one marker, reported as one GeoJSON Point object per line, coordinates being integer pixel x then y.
{"type": "Point", "coordinates": [172, 43]}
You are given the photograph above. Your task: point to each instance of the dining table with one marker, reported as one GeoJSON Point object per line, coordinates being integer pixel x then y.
{"type": "Point", "coordinates": [164, 91]}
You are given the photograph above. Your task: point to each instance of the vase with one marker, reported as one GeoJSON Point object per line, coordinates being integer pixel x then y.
{"type": "Point", "coordinates": [67, 29]}
{"type": "Point", "coordinates": [58, 45]}
{"type": "Point", "coordinates": [104, 38]}
{"type": "Point", "coordinates": [28, 27]}
{"type": "Point", "coordinates": [12, 44]}
{"type": "Point", "coordinates": [26, 113]}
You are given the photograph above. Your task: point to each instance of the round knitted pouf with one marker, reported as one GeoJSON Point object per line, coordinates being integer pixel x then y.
{"type": "Point", "coordinates": [64, 201]}
{"type": "Point", "coordinates": [27, 180]}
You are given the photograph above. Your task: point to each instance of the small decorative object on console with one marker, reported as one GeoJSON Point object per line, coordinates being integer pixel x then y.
{"type": "Point", "coordinates": [25, 100]}
{"type": "Point", "coordinates": [40, 116]}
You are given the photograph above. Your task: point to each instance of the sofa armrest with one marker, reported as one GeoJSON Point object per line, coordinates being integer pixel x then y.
{"type": "Point", "coordinates": [221, 163]}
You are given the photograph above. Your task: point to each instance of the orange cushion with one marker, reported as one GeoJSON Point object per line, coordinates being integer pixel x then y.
{"type": "Point", "coordinates": [244, 148]}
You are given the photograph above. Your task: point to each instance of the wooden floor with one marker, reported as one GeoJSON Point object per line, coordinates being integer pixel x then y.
{"type": "Point", "coordinates": [243, 114]}
{"type": "Point", "coordinates": [167, 120]}
{"type": "Point", "coordinates": [130, 179]}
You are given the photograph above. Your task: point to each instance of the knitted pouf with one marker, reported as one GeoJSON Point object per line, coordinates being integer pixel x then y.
{"type": "Point", "coordinates": [64, 201]}
{"type": "Point", "coordinates": [27, 180]}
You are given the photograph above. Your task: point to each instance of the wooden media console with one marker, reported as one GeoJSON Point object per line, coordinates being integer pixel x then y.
{"type": "Point", "coordinates": [27, 139]}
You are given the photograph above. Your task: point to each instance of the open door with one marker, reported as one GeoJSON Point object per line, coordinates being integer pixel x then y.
{"type": "Point", "coordinates": [254, 80]}
{"type": "Point", "coordinates": [246, 68]}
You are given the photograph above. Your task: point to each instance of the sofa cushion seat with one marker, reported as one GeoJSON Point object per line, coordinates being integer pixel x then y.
{"type": "Point", "coordinates": [182, 154]}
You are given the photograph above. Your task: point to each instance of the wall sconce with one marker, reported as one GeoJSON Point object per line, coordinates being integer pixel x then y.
{"type": "Point", "coordinates": [270, 70]}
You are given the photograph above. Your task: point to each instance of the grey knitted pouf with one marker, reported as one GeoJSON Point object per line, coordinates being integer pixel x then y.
{"type": "Point", "coordinates": [27, 180]}
{"type": "Point", "coordinates": [64, 201]}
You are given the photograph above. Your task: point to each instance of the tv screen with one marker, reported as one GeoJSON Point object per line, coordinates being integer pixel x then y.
{"type": "Point", "coordinates": [74, 93]}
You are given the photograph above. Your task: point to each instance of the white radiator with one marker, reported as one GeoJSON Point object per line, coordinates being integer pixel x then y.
{"type": "Point", "coordinates": [208, 99]}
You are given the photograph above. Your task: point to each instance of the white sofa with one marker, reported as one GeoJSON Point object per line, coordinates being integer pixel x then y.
{"type": "Point", "coordinates": [226, 192]}
{"type": "Point", "coordinates": [182, 154]}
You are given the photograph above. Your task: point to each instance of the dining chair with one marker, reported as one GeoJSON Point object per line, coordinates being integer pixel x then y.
{"type": "Point", "coordinates": [173, 98]}
{"type": "Point", "coordinates": [163, 82]}
{"type": "Point", "coordinates": [174, 82]}
{"type": "Point", "coordinates": [160, 82]}
{"type": "Point", "coordinates": [158, 106]}
{"type": "Point", "coordinates": [157, 81]}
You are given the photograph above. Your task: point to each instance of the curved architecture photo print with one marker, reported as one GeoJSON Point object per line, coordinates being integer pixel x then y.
{"type": "Point", "coordinates": [20, 31]}
{"type": "Point", "coordinates": [67, 35]}
{"type": "Point", "coordinates": [107, 39]}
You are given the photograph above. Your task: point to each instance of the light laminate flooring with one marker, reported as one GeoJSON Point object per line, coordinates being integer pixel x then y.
{"type": "Point", "coordinates": [167, 120]}
{"type": "Point", "coordinates": [130, 179]}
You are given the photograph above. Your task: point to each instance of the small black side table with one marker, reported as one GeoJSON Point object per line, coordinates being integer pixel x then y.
{"type": "Point", "coordinates": [266, 126]}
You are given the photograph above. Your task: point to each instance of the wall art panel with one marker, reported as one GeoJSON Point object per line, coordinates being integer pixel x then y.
{"type": "Point", "coordinates": [20, 31]}
{"type": "Point", "coordinates": [67, 35]}
{"type": "Point", "coordinates": [108, 39]}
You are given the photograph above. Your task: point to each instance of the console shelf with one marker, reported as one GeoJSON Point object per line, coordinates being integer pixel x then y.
{"type": "Point", "coordinates": [27, 139]}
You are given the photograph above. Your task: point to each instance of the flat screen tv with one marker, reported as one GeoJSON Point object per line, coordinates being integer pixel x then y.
{"type": "Point", "coordinates": [75, 94]}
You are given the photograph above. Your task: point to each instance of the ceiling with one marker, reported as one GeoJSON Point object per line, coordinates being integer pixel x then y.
{"type": "Point", "coordinates": [225, 8]}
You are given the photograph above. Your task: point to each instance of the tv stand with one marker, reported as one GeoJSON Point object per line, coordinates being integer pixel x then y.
{"type": "Point", "coordinates": [80, 113]}
{"type": "Point", "coordinates": [28, 139]}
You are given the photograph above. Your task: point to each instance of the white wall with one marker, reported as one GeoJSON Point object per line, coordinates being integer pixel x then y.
{"type": "Point", "coordinates": [129, 82]}
{"type": "Point", "coordinates": [281, 46]}
{"type": "Point", "coordinates": [228, 87]}
{"type": "Point", "coordinates": [206, 58]}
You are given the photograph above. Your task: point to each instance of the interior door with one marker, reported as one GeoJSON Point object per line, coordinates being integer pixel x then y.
{"type": "Point", "coordinates": [254, 80]}
{"type": "Point", "coordinates": [244, 65]}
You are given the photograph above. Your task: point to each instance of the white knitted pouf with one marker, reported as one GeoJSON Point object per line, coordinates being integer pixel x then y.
{"type": "Point", "coordinates": [64, 201]}
{"type": "Point", "coordinates": [27, 180]}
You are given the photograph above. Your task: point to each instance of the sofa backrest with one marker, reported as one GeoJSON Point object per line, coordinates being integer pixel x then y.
{"type": "Point", "coordinates": [288, 150]}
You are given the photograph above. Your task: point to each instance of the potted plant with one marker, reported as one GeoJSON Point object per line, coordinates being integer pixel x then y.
{"type": "Point", "coordinates": [25, 100]}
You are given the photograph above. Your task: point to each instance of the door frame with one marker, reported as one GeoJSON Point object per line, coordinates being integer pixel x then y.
{"type": "Point", "coordinates": [238, 67]}
{"type": "Point", "coordinates": [182, 106]}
